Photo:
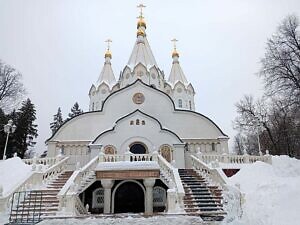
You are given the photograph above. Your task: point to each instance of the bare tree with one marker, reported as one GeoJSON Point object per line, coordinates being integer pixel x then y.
{"type": "Point", "coordinates": [281, 64]}
{"type": "Point", "coordinates": [11, 88]}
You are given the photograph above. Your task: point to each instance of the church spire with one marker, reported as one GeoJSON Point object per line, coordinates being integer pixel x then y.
{"type": "Point", "coordinates": [176, 74]}
{"type": "Point", "coordinates": [141, 51]}
{"type": "Point", "coordinates": [107, 75]}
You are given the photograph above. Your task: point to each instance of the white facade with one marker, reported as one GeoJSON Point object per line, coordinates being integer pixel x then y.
{"type": "Point", "coordinates": [141, 107]}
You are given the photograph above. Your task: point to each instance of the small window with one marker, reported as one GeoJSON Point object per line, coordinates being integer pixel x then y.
{"type": "Point", "coordinates": [180, 103]}
{"type": "Point", "coordinates": [131, 122]}
{"type": "Point", "coordinates": [190, 104]}
{"type": "Point", "coordinates": [137, 122]}
{"type": "Point", "coordinates": [213, 147]}
{"type": "Point", "coordinates": [143, 122]}
{"type": "Point", "coordinates": [93, 107]}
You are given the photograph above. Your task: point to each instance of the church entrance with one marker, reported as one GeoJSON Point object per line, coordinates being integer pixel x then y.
{"type": "Point", "coordinates": [129, 197]}
{"type": "Point", "coordinates": [138, 148]}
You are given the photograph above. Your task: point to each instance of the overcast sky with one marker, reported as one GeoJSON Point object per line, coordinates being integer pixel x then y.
{"type": "Point", "coordinates": [58, 46]}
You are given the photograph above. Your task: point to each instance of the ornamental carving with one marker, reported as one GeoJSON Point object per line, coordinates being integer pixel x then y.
{"type": "Point", "coordinates": [138, 98]}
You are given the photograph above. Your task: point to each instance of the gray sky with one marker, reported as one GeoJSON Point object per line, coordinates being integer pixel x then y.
{"type": "Point", "coordinates": [58, 46]}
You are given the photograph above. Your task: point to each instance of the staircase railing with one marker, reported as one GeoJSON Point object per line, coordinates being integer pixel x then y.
{"type": "Point", "coordinates": [36, 178]}
{"type": "Point", "coordinates": [213, 174]}
{"type": "Point", "coordinates": [171, 176]}
{"type": "Point", "coordinates": [43, 161]}
{"type": "Point", "coordinates": [69, 191]}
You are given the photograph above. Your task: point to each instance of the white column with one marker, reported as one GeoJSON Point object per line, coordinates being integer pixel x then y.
{"type": "Point", "coordinates": [107, 185]}
{"type": "Point", "coordinates": [149, 183]}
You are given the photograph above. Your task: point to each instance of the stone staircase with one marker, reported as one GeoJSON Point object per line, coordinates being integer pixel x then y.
{"type": "Point", "coordinates": [39, 203]}
{"type": "Point", "coordinates": [201, 198]}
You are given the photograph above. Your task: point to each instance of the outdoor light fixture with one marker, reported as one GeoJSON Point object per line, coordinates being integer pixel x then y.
{"type": "Point", "coordinates": [8, 128]}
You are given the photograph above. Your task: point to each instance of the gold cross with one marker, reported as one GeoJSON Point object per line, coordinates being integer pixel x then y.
{"type": "Point", "coordinates": [108, 41]}
{"type": "Point", "coordinates": [174, 40]}
{"type": "Point", "coordinates": [141, 6]}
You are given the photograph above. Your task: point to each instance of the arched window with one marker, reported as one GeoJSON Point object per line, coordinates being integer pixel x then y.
{"type": "Point", "coordinates": [131, 122]}
{"type": "Point", "coordinates": [109, 150]}
{"type": "Point", "coordinates": [143, 122]}
{"type": "Point", "coordinates": [213, 147]}
{"type": "Point", "coordinates": [166, 152]}
{"type": "Point", "coordinates": [137, 122]}
{"type": "Point", "coordinates": [180, 103]}
{"type": "Point", "coordinates": [98, 198]}
{"type": "Point", "coordinates": [159, 197]}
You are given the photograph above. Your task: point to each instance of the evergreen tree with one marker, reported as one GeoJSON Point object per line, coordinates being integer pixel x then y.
{"type": "Point", "coordinates": [26, 130]}
{"type": "Point", "coordinates": [75, 110]}
{"type": "Point", "coordinates": [57, 121]}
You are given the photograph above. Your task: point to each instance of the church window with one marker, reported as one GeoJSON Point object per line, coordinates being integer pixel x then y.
{"type": "Point", "coordinates": [190, 104]}
{"type": "Point", "coordinates": [137, 122]}
{"type": "Point", "coordinates": [98, 198]}
{"type": "Point", "coordinates": [213, 147]}
{"type": "Point", "coordinates": [109, 150]}
{"type": "Point", "coordinates": [180, 103]}
{"type": "Point", "coordinates": [159, 196]}
{"type": "Point", "coordinates": [131, 122]}
{"type": "Point", "coordinates": [143, 122]}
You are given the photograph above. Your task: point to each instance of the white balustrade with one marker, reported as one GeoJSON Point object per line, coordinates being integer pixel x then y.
{"type": "Point", "coordinates": [43, 161]}
{"type": "Point", "coordinates": [234, 159]}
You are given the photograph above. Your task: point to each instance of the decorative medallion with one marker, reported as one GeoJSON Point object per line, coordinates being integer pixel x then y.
{"type": "Point", "coordinates": [103, 91]}
{"type": "Point", "coordinates": [138, 98]}
{"type": "Point", "coordinates": [127, 75]}
{"type": "Point", "coordinates": [153, 76]}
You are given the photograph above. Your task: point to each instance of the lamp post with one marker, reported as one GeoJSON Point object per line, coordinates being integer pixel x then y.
{"type": "Point", "coordinates": [8, 128]}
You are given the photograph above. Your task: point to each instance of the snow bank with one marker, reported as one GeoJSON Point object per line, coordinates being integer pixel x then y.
{"type": "Point", "coordinates": [272, 192]}
{"type": "Point", "coordinates": [13, 172]}
{"type": "Point", "coordinates": [155, 220]}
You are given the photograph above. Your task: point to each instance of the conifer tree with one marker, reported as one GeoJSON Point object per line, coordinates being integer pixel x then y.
{"type": "Point", "coordinates": [57, 121]}
{"type": "Point", "coordinates": [26, 130]}
{"type": "Point", "coordinates": [75, 110]}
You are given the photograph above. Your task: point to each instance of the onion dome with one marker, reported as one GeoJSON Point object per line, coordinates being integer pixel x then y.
{"type": "Point", "coordinates": [108, 54]}
{"type": "Point", "coordinates": [141, 22]}
{"type": "Point", "coordinates": [175, 53]}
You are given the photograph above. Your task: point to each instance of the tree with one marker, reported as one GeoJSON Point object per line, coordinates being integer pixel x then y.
{"type": "Point", "coordinates": [75, 110]}
{"type": "Point", "coordinates": [281, 64]}
{"type": "Point", "coordinates": [57, 121]}
{"type": "Point", "coordinates": [11, 88]}
{"type": "Point", "coordinates": [26, 130]}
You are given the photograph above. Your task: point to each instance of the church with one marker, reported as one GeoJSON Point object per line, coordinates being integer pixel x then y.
{"type": "Point", "coordinates": [140, 128]}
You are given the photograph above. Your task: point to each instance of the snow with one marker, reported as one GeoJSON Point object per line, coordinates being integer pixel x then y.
{"type": "Point", "coordinates": [13, 173]}
{"type": "Point", "coordinates": [128, 220]}
{"type": "Point", "coordinates": [135, 165]}
{"type": "Point", "coordinates": [272, 192]}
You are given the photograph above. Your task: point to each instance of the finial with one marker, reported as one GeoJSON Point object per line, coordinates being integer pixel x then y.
{"type": "Point", "coordinates": [141, 21]}
{"type": "Point", "coordinates": [108, 52]}
{"type": "Point", "coordinates": [174, 53]}
{"type": "Point", "coordinates": [141, 6]}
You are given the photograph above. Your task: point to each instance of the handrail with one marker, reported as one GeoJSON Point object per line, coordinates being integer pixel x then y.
{"type": "Point", "coordinates": [36, 178]}
{"type": "Point", "coordinates": [210, 172]}
{"type": "Point", "coordinates": [48, 161]}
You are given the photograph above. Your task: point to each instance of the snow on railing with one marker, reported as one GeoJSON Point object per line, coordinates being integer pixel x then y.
{"type": "Point", "coordinates": [77, 181]}
{"type": "Point", "coordinates": [43, 161]}
{"type": "Point", "coordinates": [171, 176]}
{"type": "Point", "coordinates": [211, 173]}
{"type": "Point", "coordinates": [235, 159]}
{"type": "Point", "coordinates": [37, 178]}
{"type": "Point", "coordinates": [128, 156]}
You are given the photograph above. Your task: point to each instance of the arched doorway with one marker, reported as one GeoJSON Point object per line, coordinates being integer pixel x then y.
{"type": "Point", "coordinates": [129, 197]}
{"type": "Point", "coordinates": [138, 148]}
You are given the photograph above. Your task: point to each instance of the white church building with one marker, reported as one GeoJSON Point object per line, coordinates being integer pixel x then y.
{"type": "Point", "coordinates": [141, 148]}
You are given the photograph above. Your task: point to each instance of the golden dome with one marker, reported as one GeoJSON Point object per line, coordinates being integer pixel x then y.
{"type": "Point", "coordinates": [108, 54]}
{"type": "Point", "coordinates": [140, 32]}
{"type": "Point", "coordinates": [141, 23]}
{"type": "Point", "coordinates": [175, 53]}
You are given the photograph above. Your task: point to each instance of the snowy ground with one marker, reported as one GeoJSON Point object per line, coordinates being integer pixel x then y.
{"type": "Point", "coordinates": [13, 172]}
{"type": "Point", "coordinates": [272, 197]}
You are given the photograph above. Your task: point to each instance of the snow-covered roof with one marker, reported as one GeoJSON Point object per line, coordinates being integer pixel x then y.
{"type": "Point", "coordinates": [138, 165]}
